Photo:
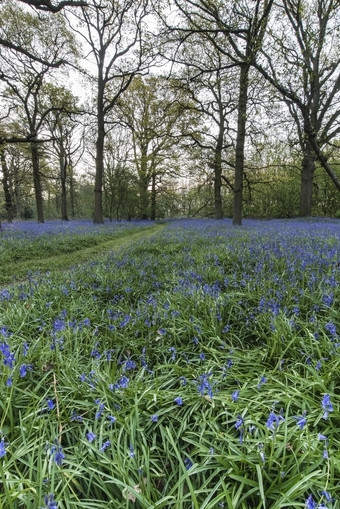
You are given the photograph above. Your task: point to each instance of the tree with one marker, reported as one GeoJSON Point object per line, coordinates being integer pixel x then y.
{"type": "Point", "coordinates": [66, 135]}
{"type": "Point", "coordinates": [23, 45]}
{"type": "Point", "coordinates": [113, 32]}
{"type": "Point", "coordinates": [302, 62]}
{"type": "Point", "coordinates": [208, 80]}
{"type": "Point", "coordinates": [50, 6]}
{"type": "Point", "coordinates": [120, 181]}
{"type": "Point", "coordinates": [236, 30]}
{"type": "Point", "coordinates": [24, 79]}
{"type": "Point", "coordinates": [157, 114]}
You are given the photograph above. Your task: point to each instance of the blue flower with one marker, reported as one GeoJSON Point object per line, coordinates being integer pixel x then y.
{"type": "Point", "coordinates": [235, 396]}
{"type": "Point", "coordinates": [154, 418]}
{"type": "Point", "coordinates": [58, 454]}
{"type": "Point", "coordinates": [326, 405]}
{"type": "Point", "coordinates": [90, 436]}
{"type": "Point", "coordinates": [105, 445]}
{"type": "Point", "coordinates": [301, 421]}
{"type": "Point", "coordinates": [310, 503]}
{"type": "Point", "coordinates": [188, 463]}
{"type": "Point", "coordinates": [111, 418]}
{"type": "Point", "coordinates": [327, 496]}
{"type": "Point", "coordinates": [123, 382]}
{"type": "Point", "coordinates": [50, 503]}
{"type": "Point", "coordinates": [50, 404]}
{"type": "Point", "coordinates": [172, 349]}
{"type": "Point", "coordinates": [273, 421]}
{"type": "Point", "coordinates": [2, 448]}
{"type": "Point", "coordinates": [178, 400]}
{"type": "Point", "coordinates": [261, 382]}
{"type": "Point", "coordinates": [205, 386]}
{"type": "Point", "coordinates": [239, 422]}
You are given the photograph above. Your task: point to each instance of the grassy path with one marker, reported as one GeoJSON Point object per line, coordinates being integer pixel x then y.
{"type": "Point", "coordinates": [17, 270]}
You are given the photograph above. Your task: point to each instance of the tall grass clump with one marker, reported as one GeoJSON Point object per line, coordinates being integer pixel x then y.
{"type": "Point", "coordinates": [197, 368]}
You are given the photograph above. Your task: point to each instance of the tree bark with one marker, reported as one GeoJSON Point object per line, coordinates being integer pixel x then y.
{"type": "Point", "coordinates": [240, 144]}
{"type": "Point", "coordinates": [37, 182]}
{"type": "Point", "coordinates": [218, 175]}
{"type": "Point", "coordinates": [98, 183]}
{"type": "Point", "coordinates": [153, 198]}
{"type": "Point", "coordinates": [63, 164]}
{"type": "Point", "coordinates": [143, 187]}
{"type": "Point", "coordinates": [307, 177]}
{"type": "Point", "coordinates": [5, 183]}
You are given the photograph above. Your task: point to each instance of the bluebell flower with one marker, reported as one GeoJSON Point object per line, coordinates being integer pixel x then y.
{"type": "Point", "coordinates": [24, 368]}
{"type": "Point", "coordinates": [2, 447]}
{"type": "Point", "coordinates": [76, 417]}
{"type": "Point", "coordinates": [129, 364]}
{"type": "Point", "coordinates": [301, 421]}
{"type": "Point", "coordinates": [90, 436]}
{"type": "Point", "coordinates": [331, 328]}
{"type": "Point", "coordinates": [105, 445]}
{"type": "Point", "coordinates": [327, 496]}
{"type": "Point", "coordinates": [50, 404]}
{"type": "Point", "coordinates": [273, 421]}
{"type": "Point", "coordinates": [235, 396]}
{"type": "Point", "coordinates": [172, 350]}
{"type": "Point", "coordinates": [326, 405]}
{"type": "Point", "coordinates": [202, 356]}
{"type": "Point", "coordinates": [310, 503]}
{"type": "Point", "coordinates": [188, 463]}
{"type": "Point", "coordinates": [50, 503]}
{"type": "Point", "coordinates": [239, 422]}
{"type": "Point", "coordinates": [205, 387]}
{"type": "Point", "coordinates": [58, 454]}
{"type": "Point", "coordinates": [178, 400]}
{"type": "Point", "coordinates": [123, 382]}
{"type": "Point", "coordinates": [154, 418]}
{"type": "Point", "coordinates": [100, 410]}
{"type": "Point", "coordinates": [111, 418]}
{"type": "Point", "coordinates": [262, 381]}
{"type": "Point", "coordinates": [131, 451]}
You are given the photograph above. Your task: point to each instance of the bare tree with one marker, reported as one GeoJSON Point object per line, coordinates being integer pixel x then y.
{"type": "Point", "coordinates": [24, 80]}
{"type": "Point", "coordinates": [236, 30]}
{"type": "Point", "coordinates": [301, 60]}
{"type": "Point", "coordinates": [113, 34]}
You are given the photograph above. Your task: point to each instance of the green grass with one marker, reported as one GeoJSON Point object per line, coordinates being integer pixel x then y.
{"type": "Point", "coordinates": [43, 255]}
{"type": "Point", "coordinates": [244, 332]}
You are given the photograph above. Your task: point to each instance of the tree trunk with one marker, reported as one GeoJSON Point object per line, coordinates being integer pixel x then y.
{"type": "Point", "coordinates": [37, 182]}
{"type": "Point", "coordinates": [63, 165]}
{"type": "Point", "coordinates": [218, 174]}
{"type": "Point", "coordinates": [240, 144]}
{"type": "Point", "coordinates": [306, 190]}
{"type": "Point", "coordinates": [153, 198]}
{"type": "Point", "coordinates": [143, 187]}
{"type": "Point", "coordinates": [5, 183]}
{"type": "Point", "coordinates": [72, 197]}
{"type": "Point", "coordinates": [98, 183]}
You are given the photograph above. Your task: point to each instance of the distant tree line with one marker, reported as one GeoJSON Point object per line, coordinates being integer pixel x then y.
{"type": "Point", "coordinates": [126, 109]}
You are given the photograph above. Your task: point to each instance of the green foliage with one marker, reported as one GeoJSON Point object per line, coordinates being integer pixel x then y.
{"type": "Point", "coordinates": [187, 371]}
